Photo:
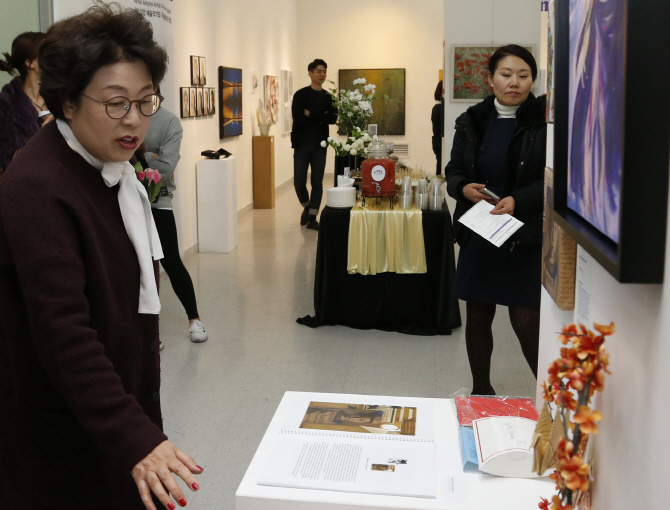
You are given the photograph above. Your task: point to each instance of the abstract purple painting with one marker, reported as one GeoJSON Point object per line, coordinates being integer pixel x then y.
{"type": "Point", "coordinates": [596, 106]}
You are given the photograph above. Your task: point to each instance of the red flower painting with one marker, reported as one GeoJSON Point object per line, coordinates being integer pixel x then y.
{"type": "Point", "coordinates": [470, 72]}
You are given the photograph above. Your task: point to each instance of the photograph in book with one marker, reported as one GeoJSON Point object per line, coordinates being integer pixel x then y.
{"type": "Point", "coordinates": [360, 418]}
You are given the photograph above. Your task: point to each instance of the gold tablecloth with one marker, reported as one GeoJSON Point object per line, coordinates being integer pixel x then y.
{"type": "Point", "coordinates": [382, 239]}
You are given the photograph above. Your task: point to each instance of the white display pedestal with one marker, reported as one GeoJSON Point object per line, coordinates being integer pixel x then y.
{"type": "Point", "coordinates": [480, 490]}
{"type": "Point", "coordinates": [216, 182]}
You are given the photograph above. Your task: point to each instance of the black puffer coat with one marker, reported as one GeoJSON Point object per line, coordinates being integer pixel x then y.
{"type": "Point", "coordinates": [526, 159]}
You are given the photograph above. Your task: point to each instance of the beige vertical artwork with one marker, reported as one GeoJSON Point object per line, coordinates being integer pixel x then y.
{"type": "Point", "coordinates": [271, 93]}
{"type": "Point", "coordinates": [192, 103]}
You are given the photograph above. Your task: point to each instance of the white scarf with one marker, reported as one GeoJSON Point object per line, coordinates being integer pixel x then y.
{"type": "Point", "coordinates": [136, 214]}
{"type": "Point", "coordinates": [505, 112]}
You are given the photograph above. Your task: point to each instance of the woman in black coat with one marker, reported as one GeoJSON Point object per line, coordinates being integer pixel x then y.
{"type": "Point", "coordinates": [500, 145]}
{"type": "Point", "coordinates": [22, 109]}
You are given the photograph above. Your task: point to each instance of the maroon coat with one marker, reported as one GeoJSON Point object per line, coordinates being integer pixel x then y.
{"type": "Point", "coordinates": [79, 366]}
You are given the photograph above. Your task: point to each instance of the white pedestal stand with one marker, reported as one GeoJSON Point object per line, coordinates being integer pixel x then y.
{"type": "Point", "coordinates": [216, 184]}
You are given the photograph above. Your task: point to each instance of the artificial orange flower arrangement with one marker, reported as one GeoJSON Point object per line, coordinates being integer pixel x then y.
{"type": "Point", "coordinates": [573, 379]}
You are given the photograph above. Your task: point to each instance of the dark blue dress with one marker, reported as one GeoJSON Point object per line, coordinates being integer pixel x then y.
{"type": "Point", "coordinates": [487, 274]}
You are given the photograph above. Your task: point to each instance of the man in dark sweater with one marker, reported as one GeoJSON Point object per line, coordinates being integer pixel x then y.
{"type": "Point", "coordinates": [312, 112]}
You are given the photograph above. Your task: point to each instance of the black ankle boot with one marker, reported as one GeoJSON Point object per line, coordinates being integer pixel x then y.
{"type": "Point", "coordinates": [304, 217]}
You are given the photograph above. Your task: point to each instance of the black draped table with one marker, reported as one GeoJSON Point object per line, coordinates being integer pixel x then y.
{"type": "Point", "coordinates": [417, 304]}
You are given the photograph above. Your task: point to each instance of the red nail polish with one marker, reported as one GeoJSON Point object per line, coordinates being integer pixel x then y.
{"type": "Point", "coordinates": [182, 502]}
{"type": "Point", "coordinates": [195, 486]}
{"type": "Point", "coordinates": [171, 505]}
{"type": "Point", "coordinates": [201, 469]}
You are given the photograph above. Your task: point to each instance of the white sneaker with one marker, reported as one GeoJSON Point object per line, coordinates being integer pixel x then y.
{"type": "Point", "coordinates": [197, 330]}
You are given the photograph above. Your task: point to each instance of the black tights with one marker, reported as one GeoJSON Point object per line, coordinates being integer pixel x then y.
{"type": "Point", "coordinates": [171, 261]}
{"type": "Point", "coordinates": [479, 339]}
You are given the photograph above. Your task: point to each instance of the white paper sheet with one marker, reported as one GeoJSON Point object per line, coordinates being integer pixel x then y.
{"type": "Point", "coordinates": [352, 465]}
{"type": "Point", "coordinates": [494, 228]}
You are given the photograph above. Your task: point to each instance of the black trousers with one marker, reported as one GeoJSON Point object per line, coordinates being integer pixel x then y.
{"type": "Point", "coordinates": [303, 158]}
{"type": "Point", "coordinates": [171, 261]}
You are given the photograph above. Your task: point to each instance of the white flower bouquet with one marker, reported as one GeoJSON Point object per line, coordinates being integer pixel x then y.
{"type": "Point", "coordinates": [354, 107]}
{"type": "Point", "coordinates": [355, 144]}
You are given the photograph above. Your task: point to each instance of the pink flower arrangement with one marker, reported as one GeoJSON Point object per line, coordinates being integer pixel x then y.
{"type": "Point", "coordinates": [150, 179]}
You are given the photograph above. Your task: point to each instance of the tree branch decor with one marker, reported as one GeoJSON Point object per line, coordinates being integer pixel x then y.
{"type": "Point", "coordinates": [562, 442]}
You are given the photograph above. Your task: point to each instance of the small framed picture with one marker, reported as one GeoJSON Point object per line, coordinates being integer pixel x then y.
{"type": "Point", "coordinates": [195, 70]}
{"type": "Point", "coordinates": [184, 102]}
{"type": "Point", "coordinates": [205, 101]}
{"type": "Point", "coordinates": [198, 107]}
{"type": "Point", "coordinates": [212, 101]}
{"type": "Point", "coordinates": [203, 72]}
{"type": "Point", "coordinates": [192, 102]}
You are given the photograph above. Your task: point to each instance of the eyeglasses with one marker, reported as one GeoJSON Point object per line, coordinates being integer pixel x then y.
{"type": "Point", "coordinates": [118, 107]}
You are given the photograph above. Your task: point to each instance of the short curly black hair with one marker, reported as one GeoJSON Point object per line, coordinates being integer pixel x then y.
{"type": "Point", "coordinates": [75, 48]}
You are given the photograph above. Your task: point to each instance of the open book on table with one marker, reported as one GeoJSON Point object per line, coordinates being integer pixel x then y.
{"type": "Point", "coordinates": [374, 445]}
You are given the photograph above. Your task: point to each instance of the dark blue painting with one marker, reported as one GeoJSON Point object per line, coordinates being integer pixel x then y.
{"type": "Point", "coordinates": [596, 102]}
{"type": "Point", "coordinates": [230, 110]}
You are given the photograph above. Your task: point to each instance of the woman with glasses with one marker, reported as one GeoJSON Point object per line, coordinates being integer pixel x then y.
{"type": "Point", "coordinates": [81, 426]}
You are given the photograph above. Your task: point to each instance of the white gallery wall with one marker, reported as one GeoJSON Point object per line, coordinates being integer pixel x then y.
{"type": "Point", "coordinates": [374, 34]}
{"type": "Point", "coordinates": [254, 35]}
{"type": "Point", "coordinates": [631, 451]}
{"type": "Point", "coordinates": [15, 18]}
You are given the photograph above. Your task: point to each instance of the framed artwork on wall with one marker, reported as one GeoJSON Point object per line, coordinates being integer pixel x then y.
{"type": "Point", "coordinates": [192, 102]}
{"type": "Point", "coordinates": [286, 86]}
{"type": "Point", "coordinates": [184, 102]}
{"type": "Point", "coordinates": [205, 101]}
{"type": "Point", "coordinates": [195, 70]}
{"type": "Point", "coordinates": [203, 70]}
{"type": "Point", "coordinates": [559, 252]}
{"type": "Point", "coordinates": [287, 100]}
{"type": "Point", "coordinates": [198, 104]}
{"type": "Point", "coordinates": [230, 104]}
{"type": "Point", "coordinates": [388, 114]}
{"type": "Point", "coordinates": [286, 119]}
{"type": "Point", "coordinates": [271, 97]}
{"type": "Point", "coordinates": [469, 69]}
{"type": "Point", "coordinates": [610, 141]}
{"type": "Point", "coordinates": [551, 10]}
{"type": "Point", "coordinates": [212, 101]}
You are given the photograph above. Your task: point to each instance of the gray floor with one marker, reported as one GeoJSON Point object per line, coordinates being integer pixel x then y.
{"type": "Point", "coordinates": [218, 397]}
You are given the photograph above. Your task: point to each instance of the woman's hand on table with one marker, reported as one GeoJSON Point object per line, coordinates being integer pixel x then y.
{"type": "Point", "coordinates": [154, 474]}
{"type": "Point", "coordinates": [505, 206]}
{"type": "Point", "coordinates": [471, 192]}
